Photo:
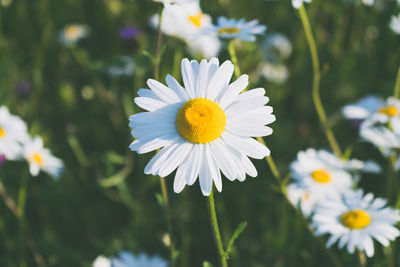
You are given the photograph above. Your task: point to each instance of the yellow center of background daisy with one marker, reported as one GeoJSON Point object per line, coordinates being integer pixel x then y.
{"type": "Point", "coordinates": [389, 111]}
{"type": "Point", "coordinates": [196, 19]}
{"type": "Point", "coordinates": [355, 219]}
{"type": "Point", "coordinates": [321, 176]}
{"type": "Point", "coordinates": [72, 32]}
{"type": "Point", "coordinates": [228, 30]}
{"type": "Point", "coordinates": [37, 158]}
{"type": "Point", "coordinates": [201, 120]}
{"type": "Point", "coordinates": [2, 132]}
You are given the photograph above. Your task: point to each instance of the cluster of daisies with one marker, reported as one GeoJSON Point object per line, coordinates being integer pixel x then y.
{"type": "Point", "coordinates": [185, 20]}
{"type": "Point", "coordinates": [324, 186]}
{"type": "Point", "coordinates": [16, 144]}
{"type": "Point", "coordinates": [127, 259]}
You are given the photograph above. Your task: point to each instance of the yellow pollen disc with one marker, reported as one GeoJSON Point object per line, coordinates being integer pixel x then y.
{"type": "Point", "coordinates": [306, 196]}
{"type": "Point", "coordinates": [228, 30]}
{"type": "Point", "coordinates": [321, 176]}
{"type": "Point", "coordinates": [37, 158]}
{"type": "Point", "coordinates": [200, 121]}
{"type": "Point", "coordinates": [2, 132]}
{"type": "Point", "coordinates": [72, 32]}
{"type": "Point", "coordinates": [355, 219]}
{"type": "Point", "coordinates": [389, 111]}
{"type": "Point", "coordinates": [196, 19]}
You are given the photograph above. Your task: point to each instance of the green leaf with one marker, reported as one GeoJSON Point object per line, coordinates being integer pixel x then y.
{"type": "Point", "coordinates": [160, 199]}
{"type": "Point", "coordinates": [207, 264]}
{"type": "Point", "coordinates": [235, 235]}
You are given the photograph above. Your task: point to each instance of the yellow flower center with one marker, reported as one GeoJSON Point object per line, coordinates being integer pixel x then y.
{"type": "Point", "coordinates": [200, 120]}
{"type": "Point", "coordinates": [72, 32]}
{"type": "Point", "coordinates": [37, 158]}
{"type": "Point", "coordinates": [321, 176]}
{"type": "Point", "coordinates": [228, 30]}
{"type": "Point", "coordinates": [355, 219]}
{"type": "Point", "coordinates": [389, 111]}
{"type": "Point", "coordinates": [196, 20]}
{"type": "Point", "coordinates": [2, 132]}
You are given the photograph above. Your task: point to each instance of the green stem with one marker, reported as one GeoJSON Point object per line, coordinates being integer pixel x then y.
{"type": "Point", "coordinates": [397, 85]}
{"type": "Point", "coordinates": [21, 218]}
{"type": "Point", "coordinates": [215, 229]}
{"type": "Point", "coordinates": [316, 81]}
{"type": "Point", "coordinates": [169, 221]}
{"type": "Point", "coordinates": [159, 43]}
{"type": "Point", "coordinates": [232, 53]}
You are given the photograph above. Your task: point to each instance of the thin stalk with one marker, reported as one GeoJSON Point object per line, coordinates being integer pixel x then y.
{"type": "Point", "coordinates": [232, 53]}
{"type": "Point", "coordinates": [21, 218]}
{"type": "Point", "coordinates": [169, 221]}
{"type": "Point", "coordinates": [215, 229]}
{"type": "Point", "coordinates": [12, 206]}
{"type": "Point", "coordinates": [316, 82]}
{"type": "Point", "coordinates": [159, 43]}
{"type": "Point", "coordinates": [397, 85]}
{"type": "Point", "coordinates": [271, 163]}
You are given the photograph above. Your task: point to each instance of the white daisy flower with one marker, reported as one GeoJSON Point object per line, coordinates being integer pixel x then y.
{"type": "Point", "coordinates": [276, 73]}
{"type": "Point", "coordinates": [40, 158]}
{"type": "Point", "coordinates": [188, 22]}
{"type": "Point", "coordinates": [127, 259]}
{"type": "Point", "coordinates": [72, 33]}
{"type": "Point", "coordinates": [276, 47]}
{"type": "Point", "coordinates": [13, 133]}
{"type": "Point", "coordinates": [395, 24]}
{"type": "Point", "coordinates": [301, 198]}
{"type": "Point", "coordinates": [384, 139]}
{"type": "Point", "coordinates": [351, 165]}
{"type": "Point", "coordinates": [354, 220]}
{"type": "Point", "coordinates": [237, 29]}
{"type": "Point", "coordinates": [203, 128]}
{"type": "Point", "coordinates": [322, 179]}
{"type": "Point", "coordinates": [298, 3]}
{"type": "Point", "coordinates": [102, 261]}
{"type": "Point", "coordinates": [372, 109]}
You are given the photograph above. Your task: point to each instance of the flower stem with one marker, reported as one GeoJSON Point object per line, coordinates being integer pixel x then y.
{"type": "Point", "coordinates": [168, 214]}
{"type": "Point", "coordinates": [232, 53]}
{"type": "Point", "coordinates": [271, 163]}
{"type": "Point", "coordinates": [214, 225]}
{"type": "Point", "coordinates": [316, 81]}
{"type": "Point", "coordinates": [397, 85]}
{"type": "Point", "coordinates": [159, 43]}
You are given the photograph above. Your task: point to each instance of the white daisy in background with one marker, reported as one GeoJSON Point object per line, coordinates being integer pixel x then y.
{"type": "Point", "coordinates": [395, 24]}
{"type": "Point", "coordinates": [368, 2]}
{"type": "Point", "coordinates": [298, 3]}
{"type": "Point", "coordinates": [40, 158]}
{"type": "Point", "coordinates": [102, 261]}
{"type": "Point", "coordinates": [13, 133]}
{"type": "Point", "coordinates": [127, 259]}
{"type": "Point", "coordinates": [276, 73]}
{"type": "Point", "coordinates": [187, 22]}
{"type": "Point", "coordinates": [301, 199]}
{"type": "Point", "coordinates": [276, 47]}
{"type": "Point", "coordinates": [354, 220]}
{"type": "Point", "coordinates": [351, 165]}
{"type": "Point", "coordinates": [383, 138]}
{"type": "Point", "coordinates": [237, 29]}
{"type": "Point", "coordinates": [203, 128]}
{"type": "Point", "coordinates": [320, 178]}
{"type": "Point", "coordinates": [72, 33]}
{"type": "Point", "coordinates": [372, 109]}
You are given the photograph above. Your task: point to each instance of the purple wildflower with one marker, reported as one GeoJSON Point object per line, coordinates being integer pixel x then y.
{"type": "Point", "coordinates": [128, 32]}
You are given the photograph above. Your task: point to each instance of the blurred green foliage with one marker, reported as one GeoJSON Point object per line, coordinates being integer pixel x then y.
{"type": "Point", "coordinates": [104, 203]}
